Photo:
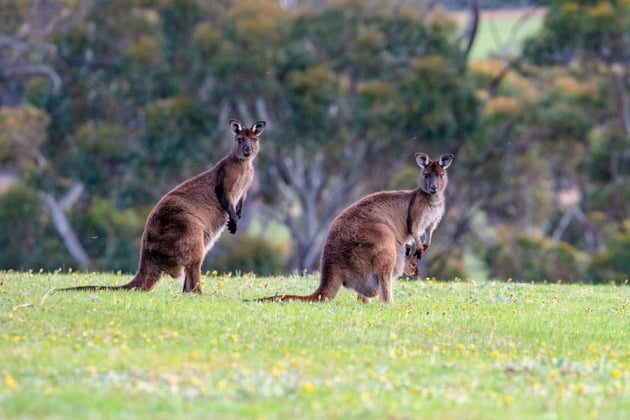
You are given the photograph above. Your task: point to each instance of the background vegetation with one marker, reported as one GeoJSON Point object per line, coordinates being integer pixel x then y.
{"type": "Point", "coordinates": [106, 105]}
{"type": "Point", "coordinates": [443, 350]}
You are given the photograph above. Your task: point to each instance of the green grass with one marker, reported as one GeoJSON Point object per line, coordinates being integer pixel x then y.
{"type": "Point", "coordinates": [462, 350]}
{"type": "Point", "coordinates": [500, 33]}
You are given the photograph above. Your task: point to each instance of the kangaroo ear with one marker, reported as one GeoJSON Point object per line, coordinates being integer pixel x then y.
{"type": "Point", "coordinates": [259, 127]}
{"type": "Point", "coordinates": [422, 159]}
{"type": "Point", "coordinates": [445, 160]}
{"type": "Point", "coordinates": [235, 126]}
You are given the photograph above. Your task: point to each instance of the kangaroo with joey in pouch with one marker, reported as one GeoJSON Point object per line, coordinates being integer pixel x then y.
{"type": "Point", "coordinates": [411, 262]}
{"type": "Point", "coordinates": [365, 245]}
{"type": "Point", "coordinates": [185, 223]}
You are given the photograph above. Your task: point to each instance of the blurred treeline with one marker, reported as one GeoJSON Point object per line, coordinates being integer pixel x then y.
{"type": "Point", "coordinates": [106, 105]}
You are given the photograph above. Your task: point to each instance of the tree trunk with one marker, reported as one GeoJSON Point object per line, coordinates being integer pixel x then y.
{"type": "Point", "coordinates": [69, 238]}
{"type": "Point", "coordinates": [310, 197]}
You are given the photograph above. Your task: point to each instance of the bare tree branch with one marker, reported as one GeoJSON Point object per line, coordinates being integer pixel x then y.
{"type": "Point", "coordinates": [66, 232]}
{"type": "Point", "coordinates": [71, 197]}
{"type": "Point", "coordinates": [470, 32]}
{"type": "Point", "coordinates": [32, 70]}
{"type": "Point", "coordinates": [616, 71]}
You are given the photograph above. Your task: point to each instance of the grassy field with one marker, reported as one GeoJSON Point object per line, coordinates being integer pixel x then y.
{"type": "Point", "coordinates": [501, 32]}
{"type": "Point", "coordinates": [461, 350]}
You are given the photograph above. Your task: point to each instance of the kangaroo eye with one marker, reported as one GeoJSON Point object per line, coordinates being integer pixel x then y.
{"type": "Point", "coordinates": [254, 139]}
{"type": "Point", "coordinates": [427, 176]}
{"type": "Point", "coordinates": [240, 141]}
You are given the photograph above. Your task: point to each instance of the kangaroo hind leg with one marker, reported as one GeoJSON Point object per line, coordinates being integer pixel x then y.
{"type": "Point", "coordinates": [384, 268]}
{"type": "Point", "coordinates": [192, 263]}
{"type": "Point", "coordinates": [148, 275]}
{"type": "Point", "coordinates": [192, 277]}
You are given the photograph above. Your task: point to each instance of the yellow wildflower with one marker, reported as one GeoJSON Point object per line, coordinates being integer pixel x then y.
{"type": "Point", "coordinates": [307, 386]}
{"type": "Point", "coordinates": [9, 381]}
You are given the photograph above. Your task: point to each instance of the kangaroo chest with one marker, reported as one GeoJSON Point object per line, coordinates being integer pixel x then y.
{"type": "Point", "coordinates": [240, 186]}
{"type": "Point", "coordinates": [430, 216]}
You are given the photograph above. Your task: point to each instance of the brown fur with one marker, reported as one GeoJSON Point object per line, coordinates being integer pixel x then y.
{"type": "Point", "coordinates": [411, 262]}
{"type": "Point", "coordinates": [364, 248]}
{"type": "Point", "coordinates": [188, 220]}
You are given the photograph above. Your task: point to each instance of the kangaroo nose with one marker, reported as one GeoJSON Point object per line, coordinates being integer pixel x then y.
{"type": "Point", "coordinates": [433, 188]}
{"type": "Point", "coordinates": [247, 150]}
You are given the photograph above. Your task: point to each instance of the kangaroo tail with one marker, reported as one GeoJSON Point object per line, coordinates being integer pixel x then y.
{"type": "Point", "coordinates": [319, 295]}
{"type": "Point", "coordinates": [326, 291]}
{"type": "Point", "coordinates": [315, 297]}
{"type": "Point", "coordinates": [132, 285]}
{"type": "Point", "coordinates": [144, 280]}
{"type": "Point", "coordinates": [90, 288]}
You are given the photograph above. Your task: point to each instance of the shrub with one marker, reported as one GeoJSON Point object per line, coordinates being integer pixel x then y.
{"type": "Point", "coordinates": [27, 239]}
{"type": "Point", "coordinates": [612, 264]}
{"type": "Point", "coordinates": [249, 253]}
{"type": "Point", "coordinates": [522, 257]}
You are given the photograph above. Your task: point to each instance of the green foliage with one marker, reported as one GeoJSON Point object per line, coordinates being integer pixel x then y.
{"type": "Point", "coordinates": [311, 92]}
{"type": "Point", "coordinates": [595, 28]}
{"type": "Point", "coordinates": [377, 109]}
{"type": "Point", "coordinates": [13, 14]}
{"type": "Point", "coordinates": [250, 254]}
{"type": "Point", "coordinates": [176, 139]}
{"type": "Point", "coordinates": [448, 269]}
{"type": "Point", "coordinates": [39, 91]}
{"type": "Point", "coordinates": [612, 264]}
{"type": "Point", "coordinates": [21, 224]}
{"type": "Point", "coordinates": [178, 19]}
{"type": "Point", "coordinates": [100, 157]}
{"type": "Point", "coordinates": [111, 235]}
{"type": "Point", "coordinates": [429, 102]}
{"type": "Point", "coordinates": [22, 134]}
{"type": "Point", "coordinates": [606, 157]}
{"type": "Point", "coordinates": [396, 70]}
{"type": "Point", "coordinates": [145, 72]}
{"type": "Point", "coordinates": [27, 239]}
{"type": "Point", "coordinates": [479, 350]}
{"type": "Point", "coordinates": [440, 104]}
{"type": "Point", "coordinates": [526, 258]}
{"type": "Point", "coordinates": [207, 41]}
{"type": "Point", "coordinates": [251, 33]}
{"type": "Point", "coordinates": [350, 88]}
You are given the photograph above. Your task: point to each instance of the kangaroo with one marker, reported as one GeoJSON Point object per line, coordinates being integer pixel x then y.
{"type": "Point", "coordinates": [411, 262]}
{"type": "Point", "coordinates": [185, 224]}
{"type": "Point", "coordinates": [364, 248]}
